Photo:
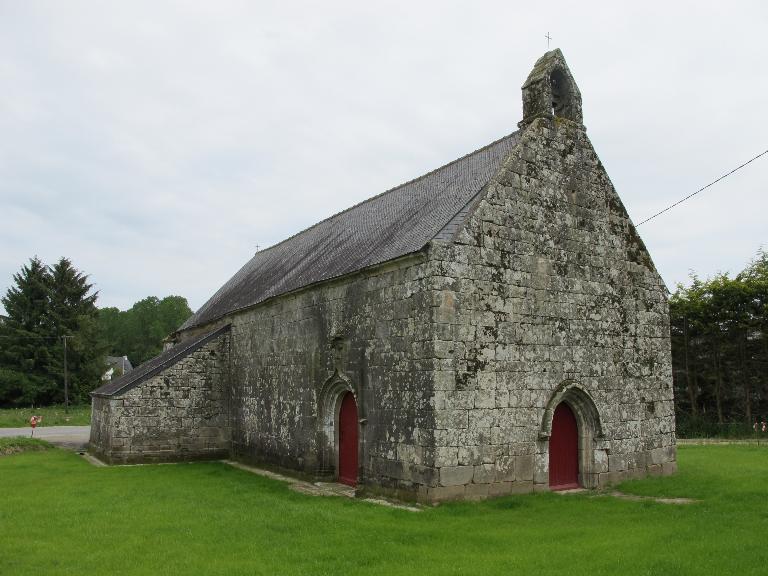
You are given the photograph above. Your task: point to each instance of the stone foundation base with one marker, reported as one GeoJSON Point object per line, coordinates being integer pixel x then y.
{"type": "Point", "coordinates": [162, 457]}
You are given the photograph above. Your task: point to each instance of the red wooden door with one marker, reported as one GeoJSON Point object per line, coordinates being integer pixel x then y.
{"type": "Point", "coordinates": [348, 440]}
{"type": "Point", "coordinates": [564, 449]}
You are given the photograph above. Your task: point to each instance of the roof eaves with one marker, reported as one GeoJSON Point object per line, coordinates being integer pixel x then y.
{"type": "Point", "coordinates": [184, 327]}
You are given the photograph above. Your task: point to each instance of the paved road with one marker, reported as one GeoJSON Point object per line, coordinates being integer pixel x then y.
{"type": "Point", "coordinates": [72, 437]}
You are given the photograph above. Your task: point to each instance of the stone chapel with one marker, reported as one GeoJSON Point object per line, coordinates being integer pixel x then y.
{"type": "Point", "coordinates": [494, 326]}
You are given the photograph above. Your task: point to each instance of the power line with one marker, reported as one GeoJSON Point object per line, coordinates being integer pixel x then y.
{"type": "Point", "coordinates": [35, 337]}
{"type": "Point", "coordinates": [702, 189]}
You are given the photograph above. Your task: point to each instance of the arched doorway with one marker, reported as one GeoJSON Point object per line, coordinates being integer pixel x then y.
{"type": "Point", "coordinates": [348, 440]}
{"type": "Point", "coordinates": [564, 449]}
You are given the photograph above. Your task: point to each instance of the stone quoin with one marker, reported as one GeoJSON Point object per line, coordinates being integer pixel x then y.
{"type": "Point", "coordinates": [434, 330]}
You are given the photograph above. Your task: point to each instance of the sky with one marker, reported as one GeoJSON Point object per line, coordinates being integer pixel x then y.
{"type": "Point", "coordinates": [158, 144]}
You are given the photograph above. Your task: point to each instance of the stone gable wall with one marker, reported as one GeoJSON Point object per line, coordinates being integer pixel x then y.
{"type": "Point", "coordinates": [548, 287]}
{"type": "Point", "coordinates": [179, 414]}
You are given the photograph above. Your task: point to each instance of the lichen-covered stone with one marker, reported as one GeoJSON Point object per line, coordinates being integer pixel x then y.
{"type": "Point", "coordinates": [182, 413]}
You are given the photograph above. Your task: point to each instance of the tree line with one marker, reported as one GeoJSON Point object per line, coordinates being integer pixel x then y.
{"type": "Point", "coordinates": [719, 330]}
{"type": "Point", "coordinates": [47, 304]}
{"type": "Point", "coordinates": [139, 331]}
{"type": "Point", "coordinates": [719, 334]}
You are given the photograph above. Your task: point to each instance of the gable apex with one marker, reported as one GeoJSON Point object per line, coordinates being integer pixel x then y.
{"type": "Point", "coordinates": [550, 91]}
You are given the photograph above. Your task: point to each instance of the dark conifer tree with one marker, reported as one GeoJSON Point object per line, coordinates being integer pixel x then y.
{"type": "Point", "coordinates": [73, 312]}
{"type": "Point", "coordinates": [44, 305]}
{"type": "Point", "coordinates": [26, 340]}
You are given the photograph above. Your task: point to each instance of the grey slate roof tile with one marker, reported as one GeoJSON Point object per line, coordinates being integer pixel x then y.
{"type": "Point", "coordinates": [395, 223]}
{"type": "Point", "coordinates": [158, 363]}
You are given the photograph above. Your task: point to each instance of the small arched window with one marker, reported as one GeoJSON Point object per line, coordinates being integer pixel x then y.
{"type": "Point", "coordinates": [561, 94]}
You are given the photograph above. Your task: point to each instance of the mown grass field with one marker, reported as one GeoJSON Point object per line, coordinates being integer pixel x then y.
{"type": "Point", "coordinates": [61, 515]}
{"type": "Point", "coordinates": [52, 416]}
{"type": "Point", "coordinates": [17, 445]}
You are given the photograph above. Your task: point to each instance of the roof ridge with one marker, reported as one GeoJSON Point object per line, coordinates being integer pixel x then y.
{"type": "Point", "coordinates": [462, 214]}
{"type": "Point", "coordinates": [389, 191]}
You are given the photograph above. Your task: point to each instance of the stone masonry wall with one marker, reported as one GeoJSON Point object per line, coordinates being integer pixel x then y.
{"type": "Point", "coordinates": [547, 284]}
{"type": "Point", "coordinates": [179, 414]}
{"type": "Point", "coordinates": [294, 356]}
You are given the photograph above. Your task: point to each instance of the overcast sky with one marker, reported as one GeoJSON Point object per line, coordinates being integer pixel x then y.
{"type": "Point", "coordinates": [156, 144]}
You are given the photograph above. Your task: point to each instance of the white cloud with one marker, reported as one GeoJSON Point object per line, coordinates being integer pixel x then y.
{"type": "Point", "coordinates": [155, 144]}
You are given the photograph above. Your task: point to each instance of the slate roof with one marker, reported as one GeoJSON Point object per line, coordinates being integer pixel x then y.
{"type": "Point", "coordinates": [158, 363]}
{"type": "Point", "coordinates": [397, 222]}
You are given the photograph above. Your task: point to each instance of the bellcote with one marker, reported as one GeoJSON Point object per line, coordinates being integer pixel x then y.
{"type": "Point", "coordinates": [550, 91]}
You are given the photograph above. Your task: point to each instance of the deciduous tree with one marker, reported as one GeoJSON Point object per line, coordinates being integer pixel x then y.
{"type": "Point", "coordinates": [139, 331]}
{"type": "Point", "coordinates": [720, 349]}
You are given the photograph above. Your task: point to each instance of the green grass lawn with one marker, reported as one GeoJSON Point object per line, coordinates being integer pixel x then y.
{"type": "Point", "coordinates": [61, 515]}
{"type": "Point", "coordinates": [18, 444]}
{"type": "Point", "coordinates": [52, 416]}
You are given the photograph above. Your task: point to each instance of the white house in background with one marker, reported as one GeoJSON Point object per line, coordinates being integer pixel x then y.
{"type": "Point", "coordinates": [118, 365]}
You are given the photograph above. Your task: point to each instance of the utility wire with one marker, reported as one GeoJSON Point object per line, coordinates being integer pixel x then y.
{"type": "Point", "coordinates": [701, 189]}
{"type": "Point", "coordinates": [34, 337]}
